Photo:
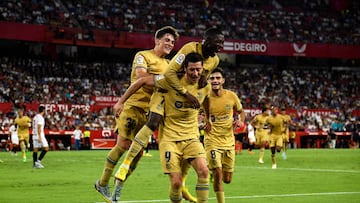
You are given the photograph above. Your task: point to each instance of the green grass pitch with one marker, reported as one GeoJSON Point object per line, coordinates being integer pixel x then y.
{"type": "Point", "coordinates": [308, 175]}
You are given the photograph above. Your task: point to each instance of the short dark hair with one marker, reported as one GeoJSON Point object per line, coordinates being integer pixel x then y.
{"type": "Point", "coordinates": [218, 70]}
{"type": "Point", "coordinates": [212, 32]}
{"type": "Point", "coordinates": [265, 107]}
{"type": "Point", "coordinates": [41, 109]}
{"type": "Point", "coordinates": [167, 29]}
{"type": "Point", "coordinates": [192, 57]}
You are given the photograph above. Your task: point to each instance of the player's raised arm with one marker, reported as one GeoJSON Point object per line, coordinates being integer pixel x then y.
{"type": "Point", "coordinates": [148, 80]}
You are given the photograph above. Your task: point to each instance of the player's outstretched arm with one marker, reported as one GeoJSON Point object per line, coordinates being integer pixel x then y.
{"type": "Point", "coordinates": [171, 75]}
{"type": "Point", "coordinates": [148, 80]}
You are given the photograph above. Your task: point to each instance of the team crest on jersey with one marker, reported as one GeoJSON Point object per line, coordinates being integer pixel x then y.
{"type": "Point", "coordinates": [180, 59]}
{"type": "Point", "coordinates": [140, 59]}
{"type": "Point", "coordinates": [227, 108]}
{"type": "Point", "coordinates": [168, 166]}
{"type": "Point", "coordinates": [178, 104]}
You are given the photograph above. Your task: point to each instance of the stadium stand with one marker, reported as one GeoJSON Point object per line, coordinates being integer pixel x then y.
{"type": "Point", "coordinates": [37, 79]}
{"type": "Point", "coordinates": [335, 22]}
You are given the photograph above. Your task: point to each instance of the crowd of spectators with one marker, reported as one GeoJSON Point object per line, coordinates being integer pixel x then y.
{"type": "Point", "coordinates": [27, 80]}
{"type": "Point", "coordinates": [310, 21]}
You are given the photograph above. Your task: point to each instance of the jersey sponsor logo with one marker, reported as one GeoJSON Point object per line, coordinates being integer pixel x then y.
{"type": "Point", "coordinates": [180, 59]}
{"type": "Point", "coordinates": [219, 118]}
{"type": "Point", "coordinates": [140, 60]}
{"type": "Point", "coordinates": [180, 104]}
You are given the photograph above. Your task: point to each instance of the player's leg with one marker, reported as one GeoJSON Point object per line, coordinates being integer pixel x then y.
{"type": "Point", "coordinates": [35, 156]}
{"type": "Point", "coordinates": [252, 140]}
{"type": "Point", "coordinates": [45, 149]}
{"type": "Point", "coordinates": [202, 185]}
{"type": "Point", "coordinates": [175, 187]}
{"type": "Point", "coordinates": [125, 123]}
{"type": "Point", "coordinates": [138, 122]}
{"type": "Point", "coordinates": [27, 142]}
{"type": "Point", "coordinates": [23, 148]}
{"type": "Point", "coordinates": [262, 147]}
{"type": "Point", "coordinates": [139, 143]}
{"type": "Point", "coordinates": [14, 149]}
{"type": "Point", "coordinates": [142, 136]}
{"type": "Point", "coordinates": [217, 184]}
{"type": "Point", "coordinates": [112, 158]}
{"type": "Point", "coordinates": [228, 164]}
{"type": "Point", "coordinates": [185, 167]}
{"type": "Point", "coordinates": [36, 146]}
{"type": "Point", "coordinates": [284, 145]}
{"type": "Point", "coordinates": [119, 184]}
{"type": "Point", "coordinates": [171, 164]}
{"type": "Point", "coordinates": [196, 153]}
{"type": "Point", "coordinates": [273, 160]}
{"type": "Point", "coordinates": [279, 144]}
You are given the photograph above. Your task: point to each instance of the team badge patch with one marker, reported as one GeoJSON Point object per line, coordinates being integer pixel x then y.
{"type": "Point", "coordinates": [180, 59]}
{"type": "Point", "coordinates": [178, 104]}
{"type": "Point", "coordinates": [140, 59]}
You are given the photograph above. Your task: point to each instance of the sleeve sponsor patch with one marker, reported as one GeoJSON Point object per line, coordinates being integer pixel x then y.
{"type": "Point", "coordinates": [140, 60]}
{"type": "Point", "coordinates": [180, 59]}
{"type": "Point", "coordinates": [158, 77]}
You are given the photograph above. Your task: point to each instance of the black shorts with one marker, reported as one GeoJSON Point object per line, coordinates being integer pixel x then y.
{"type": "Point", "coordinates": [240, 137]}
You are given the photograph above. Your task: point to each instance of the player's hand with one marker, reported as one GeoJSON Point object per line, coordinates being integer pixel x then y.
{"type": "Point", "coordinates": [208, 125]}
{"type": "Point", "coordinates": [202, 81]}
{"type": "Point", "coordinates": [118, 107]}
{"type": "Point", "coordinates": [192, 100]}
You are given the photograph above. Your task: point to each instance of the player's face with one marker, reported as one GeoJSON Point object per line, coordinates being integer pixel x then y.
{"type": "Point", "coordinates": [274, 110]}
{"type": "Point", "coordinates": [20, 112]}
{"type": "Point", "coordinates": [216, 80]}
{"type": "Point", "coordinates": [193, 71]}
{"type": "Point", "coordinates": [214, 45]}
{"type": "Point", "coordinates": [166, 43]}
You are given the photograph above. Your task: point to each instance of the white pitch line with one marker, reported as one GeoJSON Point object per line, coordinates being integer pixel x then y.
{"type": "Point", "coordinates": [293, 195]}
{"type": "Point", "coordinates": [305, 169]}
{"type": "Point", "coordinates": [253, 196]}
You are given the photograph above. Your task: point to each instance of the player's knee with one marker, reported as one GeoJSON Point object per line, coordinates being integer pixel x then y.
{"type": "Point", "coordinates": [123, 144]}
{"type": "Point", "coordinates": [278, 149]}
{"type": "Point", "coordinates": [153, 121]}
{"type": "Point", "coordinates": [227, 176]}
{"type": "Point", "coordinates": [272, 150]}
{"type": "Point", "coordinates": [227, 180]}
{"type": "Point", "coordinates": [203, 172]}
{"type": "Point", "coordinates": [176, 184]}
